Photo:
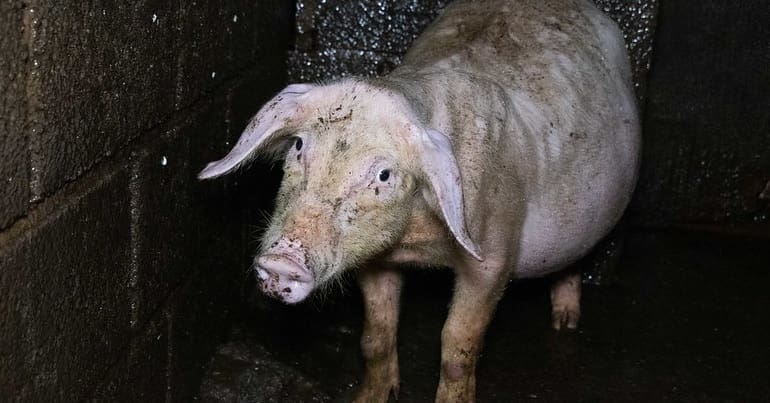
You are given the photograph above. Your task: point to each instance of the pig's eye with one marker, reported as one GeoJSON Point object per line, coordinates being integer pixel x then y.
{"type": "Point", "coordinates": [298, 144]}
{"type": "Point", "coordinates": [384, 175]}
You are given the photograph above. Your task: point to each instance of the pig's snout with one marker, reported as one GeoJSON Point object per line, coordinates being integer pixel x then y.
{"type": "Point", "coordinates": [283, 278]}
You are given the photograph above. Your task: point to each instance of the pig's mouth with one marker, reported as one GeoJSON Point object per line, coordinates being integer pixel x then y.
{"type": "Point", "coordinates": [283, 278]}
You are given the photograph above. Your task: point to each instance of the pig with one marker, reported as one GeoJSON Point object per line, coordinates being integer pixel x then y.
{"type": "Point", "coordinates": [505, 146]}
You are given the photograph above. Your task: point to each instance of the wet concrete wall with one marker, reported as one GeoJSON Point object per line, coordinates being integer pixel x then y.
{"type": "Point", "coordinates": [118, 269]}
{"type": "Point", "coordinates": [367, 38]}
{"type": "Point", "coordinates": [707, 125]}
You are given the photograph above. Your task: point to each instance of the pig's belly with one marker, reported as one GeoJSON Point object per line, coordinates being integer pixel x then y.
{"type": "Point", "coordinates": [554, 237]}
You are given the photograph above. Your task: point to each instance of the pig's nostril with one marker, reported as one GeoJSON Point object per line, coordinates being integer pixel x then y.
{"type": "Point", "coordinates": [284, 267]}
{"type": "Point", "coordinates": [283, 278]}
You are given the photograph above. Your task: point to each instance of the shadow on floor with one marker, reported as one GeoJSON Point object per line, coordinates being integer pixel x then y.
{"type": "Point", "coordinates": [686, 320]}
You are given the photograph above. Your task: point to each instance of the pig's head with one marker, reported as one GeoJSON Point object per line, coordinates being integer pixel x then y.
{"type": "Point", "coordinates": [355, 159]}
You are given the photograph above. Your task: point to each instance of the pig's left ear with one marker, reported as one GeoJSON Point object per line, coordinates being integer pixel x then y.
{"type": "Point", "coordinates": [279, 113]}
{"type": "Point", "coordinates": [440, 168]}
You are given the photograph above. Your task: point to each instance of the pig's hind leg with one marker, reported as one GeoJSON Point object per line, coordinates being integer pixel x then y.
{"type": "Point", "coordinates": [565, 300]}
{"type": "Point", "coordinates": [381, 288]}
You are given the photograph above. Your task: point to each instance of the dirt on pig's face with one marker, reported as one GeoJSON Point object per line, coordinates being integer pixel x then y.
{"type": "Point", "coordinates": [347, 190]}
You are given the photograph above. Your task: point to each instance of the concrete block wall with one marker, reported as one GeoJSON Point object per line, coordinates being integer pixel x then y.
{"type": "Point", "coordinates": [14, 161]}
{"type": "Point", "coordinates": [118, 269]}
{"type": "Point", "coordinates": [706, 161]}
{"type": "Point", "coordinates": [335, 38]}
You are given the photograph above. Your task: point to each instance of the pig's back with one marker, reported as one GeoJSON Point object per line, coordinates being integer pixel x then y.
{"type": "Point", "coordinates": [555, 72]}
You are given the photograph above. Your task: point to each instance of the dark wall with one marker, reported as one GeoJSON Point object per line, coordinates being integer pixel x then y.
{"type": "Point", "coordinates": [336, 38]}
{"type": "Point", "coordinates": [118, 269]}
{"type": "Point", "coordinates": [707, 123]}
{"type": "Point", "coordinates": [14, 161]}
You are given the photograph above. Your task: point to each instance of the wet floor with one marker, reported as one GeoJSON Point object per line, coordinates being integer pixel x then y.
{"type": "Point", "coordinates": [686, 319]}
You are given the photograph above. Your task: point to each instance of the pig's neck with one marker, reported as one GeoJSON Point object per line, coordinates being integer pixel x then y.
{"type": "Point", "coordinates": [424, 241]}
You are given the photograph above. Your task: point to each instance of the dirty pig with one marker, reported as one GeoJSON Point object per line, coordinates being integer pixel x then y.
{"type": "Point", "coordinates": [504, 147]}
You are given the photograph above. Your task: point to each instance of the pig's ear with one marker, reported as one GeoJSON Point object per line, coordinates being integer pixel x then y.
{"type": "Point", "coordinates": [280, 112]}
{"type": "Point", "coordinates": [440, 168]}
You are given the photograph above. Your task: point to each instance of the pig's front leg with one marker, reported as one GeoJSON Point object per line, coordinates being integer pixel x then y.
{"type": "Point", "coordinates": [381, 288]}
{"type": "Point", "coordinates": [478, 288]}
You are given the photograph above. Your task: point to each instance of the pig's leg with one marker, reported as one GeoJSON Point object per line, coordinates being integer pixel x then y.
{"type": "Point", "coordinates": [381, 290]}
{"type": "Point", "coordinates": [478, 288]}
{"type": "Point", "coordinates": [565, 300]}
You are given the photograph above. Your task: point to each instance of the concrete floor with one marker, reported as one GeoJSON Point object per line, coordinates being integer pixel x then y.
{"type": "Point", "coordinates": [685, 320]}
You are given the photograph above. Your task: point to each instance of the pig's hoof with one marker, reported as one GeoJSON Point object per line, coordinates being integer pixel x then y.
{"type": "Point", "coordinates": [376, 393]}
{"type": "Point", "coordinates": [379, 382]}
{"type": "Point", "coordinates": [563, 318]}
{"type": "Point", "coordinates": [565, 301]}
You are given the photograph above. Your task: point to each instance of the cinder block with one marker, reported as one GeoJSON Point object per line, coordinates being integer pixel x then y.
{"type": "Point", "coordinates": [64, 295]}
{"type": "Point", "coordinates": [14, 159]}
{"type": "Point", "coordinates": [216, 206]}
{"type": "Point", "coordinates": [219, 40]}
{"type": "Point", "coordinates": [101, 73]}
{"type": "Point", "coordinates": [376, 26]}
{"type": "Point", "coordinates": [200, 244]}
{"type": "Point", "coordinates": [15, 328]}
{"type": "Point", "coordinates": [141, 375]}
{"type": "Point", "coordinates": [329, 64]}
{"type": "Point", "coordinates": [273, 21]}
{"type": "Point", "coordinates": [161, 217]}
{"type": "Point", "coordinates": [203, 60]}
{"type": "Point", "coordinates": [335, 38]}
{"type": "Point", "coordinates": [262, 34]}
{"type": "Point", "coordinates": [199, 311]}
{"type": "Point", "coordinates": [175, 217]}
{"type": "Point", "coordinates": [199, 316]}
{"type": "Point", "coordinates": [705, 157]}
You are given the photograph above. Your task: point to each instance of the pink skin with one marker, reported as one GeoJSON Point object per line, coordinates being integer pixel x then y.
{"type": "Point", "coordinates": [283, 274]}
{"type": "Point", "coordinates": [282, 278]}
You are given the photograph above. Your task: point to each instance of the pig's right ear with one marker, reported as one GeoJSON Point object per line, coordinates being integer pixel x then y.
{"type": "Point", "coordinates": [440, 167]}
{"type": "Point", "coordinates": [281, 112]}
